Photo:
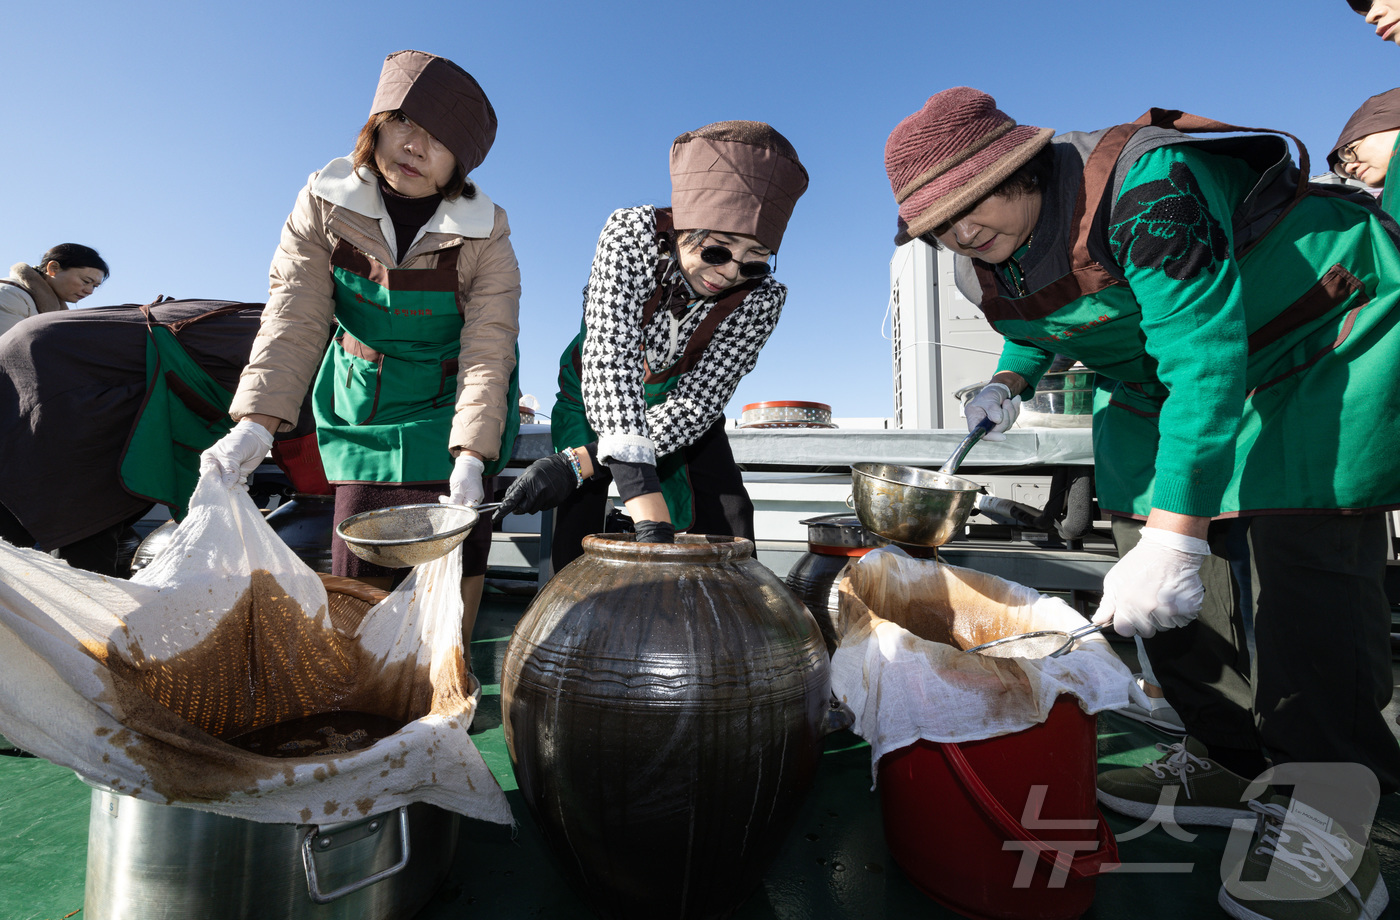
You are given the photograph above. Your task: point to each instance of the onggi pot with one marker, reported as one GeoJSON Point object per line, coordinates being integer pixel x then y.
{"type": "Point", "coordinates": [664, 706]}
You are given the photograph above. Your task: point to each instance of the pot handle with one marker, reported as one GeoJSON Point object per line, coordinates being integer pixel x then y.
{"type": "Point", "coordinates": [1060, 862]}
{"type": "Point", "coordinates": [308, 860]}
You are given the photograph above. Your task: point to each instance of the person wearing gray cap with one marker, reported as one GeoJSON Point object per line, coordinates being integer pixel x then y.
{"type": "Point", "coordinates": [396, 256]}
{"type": "Point", "coordinates": [678, 305]}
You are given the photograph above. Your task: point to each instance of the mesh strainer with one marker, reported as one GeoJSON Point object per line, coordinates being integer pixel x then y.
{"type": "Point", "coordinates": [407, 535]}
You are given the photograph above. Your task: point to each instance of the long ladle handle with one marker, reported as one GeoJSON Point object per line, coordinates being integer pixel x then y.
{"type": "Point", "coordinates": [492, 506]}
{"type": "Point", "coordinates": [972, 438]}
{"type": "Point", "coordinates": [1074, 635]}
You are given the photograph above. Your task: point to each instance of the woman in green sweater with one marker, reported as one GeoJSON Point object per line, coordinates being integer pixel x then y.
{"type": "Point", "coordinates": [1367, 148]}
{"type": "Point", "coordinates": [1247, 324]}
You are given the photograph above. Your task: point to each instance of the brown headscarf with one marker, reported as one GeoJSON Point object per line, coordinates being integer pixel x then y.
{"type": "Point", "coordinates": [736, 177]}
{"type": "Point", "coordinates": [441, 97]}
{"type": "Point", "coordinates": [1379, 113]}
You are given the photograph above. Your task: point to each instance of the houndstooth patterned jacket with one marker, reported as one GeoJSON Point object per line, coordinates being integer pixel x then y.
{"type": "Point", "coordinates": [622, 279]}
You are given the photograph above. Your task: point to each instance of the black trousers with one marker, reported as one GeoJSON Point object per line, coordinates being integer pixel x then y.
{"type": "Point", "coordinates": [1321, 675]}
{"type": "Point", "coordinates": [720, 502]}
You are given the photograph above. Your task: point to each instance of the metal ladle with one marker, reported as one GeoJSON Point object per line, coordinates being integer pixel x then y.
{"type": "Point", "coordinates": [1043, 643]}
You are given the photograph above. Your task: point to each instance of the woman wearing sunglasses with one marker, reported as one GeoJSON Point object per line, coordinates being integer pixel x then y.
{"type": "Point", "coordinates": [1367, 148]}
{"type": "Point", "coordinates": [677, 307]}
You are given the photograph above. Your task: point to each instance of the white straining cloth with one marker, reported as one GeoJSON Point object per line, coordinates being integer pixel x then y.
{"type": "Point", "coordinates": [902, 677]}
{"type": "Point", "coordinates": [132, 683]}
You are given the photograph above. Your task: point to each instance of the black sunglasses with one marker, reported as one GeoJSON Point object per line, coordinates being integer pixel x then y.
{"type": "Point", "coordinates": [719, 255]}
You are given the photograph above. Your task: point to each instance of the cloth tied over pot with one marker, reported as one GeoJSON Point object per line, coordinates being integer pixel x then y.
{"type": "Point", "coordinates": [133, 684]}
{"type": "Point", "coordinates": [900, 668]}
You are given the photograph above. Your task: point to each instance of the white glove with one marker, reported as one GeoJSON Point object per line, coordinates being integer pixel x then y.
{"type": "Point", "coordinates": [994, 401]}
{"type": "Point", "coordinates": [465, 485]}
{"type": "Point", "coordinates": [1156, 585]}
{"type": "Point", "coordinates": [234, 456]}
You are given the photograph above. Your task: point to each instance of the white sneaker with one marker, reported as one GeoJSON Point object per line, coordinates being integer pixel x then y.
{"type": "Point", "coordinates": [1303, 868]}
{"type": "Point", "coordinates": [1159, 714]}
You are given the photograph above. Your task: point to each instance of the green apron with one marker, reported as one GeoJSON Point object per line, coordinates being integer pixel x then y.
{"type": "Point", "coordinates": [1321, 353]}
{"type": "Point", "coordinates": [1390, 194]}
{"type": "Point", "coordinates": [387, 388]}
{"type": "Point", "coordinates": [184, 413]}
{"type": "Point", "coordinates": [568, 427]}
{"type": "Point", "coordinates": [569, 420]}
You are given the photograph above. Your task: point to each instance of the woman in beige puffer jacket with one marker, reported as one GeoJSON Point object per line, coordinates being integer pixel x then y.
{"type": "Point", "coordinates": [395, 276]}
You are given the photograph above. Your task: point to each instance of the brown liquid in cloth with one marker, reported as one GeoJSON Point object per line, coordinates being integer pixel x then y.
{"type": "Point", "coordinates": [322, 735]}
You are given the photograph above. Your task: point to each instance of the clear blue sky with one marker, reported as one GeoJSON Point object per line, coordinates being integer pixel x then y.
{"type": "Point", "coordinates": [174, 137]}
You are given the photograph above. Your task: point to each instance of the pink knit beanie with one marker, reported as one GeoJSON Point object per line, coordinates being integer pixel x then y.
{"type": "Point", "coordinates": [947, 156]}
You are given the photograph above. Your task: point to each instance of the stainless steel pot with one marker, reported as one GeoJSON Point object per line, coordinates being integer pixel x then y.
{"type": "Point", "coordinates": [162, 862]}
{"type": "Point", "coordinates": [842, 530]}
{"type": "Point", "coordinates": [911, 505]}
{"type": "Point", "coordinates": [833, 540]}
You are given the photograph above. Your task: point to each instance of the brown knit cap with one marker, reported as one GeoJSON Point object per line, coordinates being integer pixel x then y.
{"type": "Point", "coordinates": [441, 97]}
{"type": "Point", "coordinates": [1379, 113]}
{"type": "Point", "coordinates": [736, 177]}
{"type": "Point", "coordinates": [947, 156]}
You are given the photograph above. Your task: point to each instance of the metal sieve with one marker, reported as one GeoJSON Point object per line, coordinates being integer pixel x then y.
{"type": "Point", "coordinates": [407, 535]}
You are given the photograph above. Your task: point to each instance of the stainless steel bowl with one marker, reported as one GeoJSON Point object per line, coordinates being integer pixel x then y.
{"type": "Point", "coordinates": [1069, 392]}
{"type": "Point", "coordinates": [840, 530]}
{"type": "Point", "coordinates": [408, 535]}
{"type": "Point", "coordinates": [911, 505]}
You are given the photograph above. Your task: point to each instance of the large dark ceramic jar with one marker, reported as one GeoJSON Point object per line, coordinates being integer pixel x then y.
{"type": "Point", "coordinates": [664, 706]}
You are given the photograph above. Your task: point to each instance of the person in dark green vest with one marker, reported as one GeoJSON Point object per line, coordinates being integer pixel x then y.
{"type": "Point", "coordinates": [1248, 325]}
{"type": "Point", "coordinates": [678, 305]}
{"type": "Point", "coordinates": [398, 260]}
{"type": "Point", "coordinates": [1369, 146]}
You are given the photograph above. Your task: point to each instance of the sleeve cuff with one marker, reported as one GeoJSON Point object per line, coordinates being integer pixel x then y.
{"type": "Point", "coordinates": [629, 448]}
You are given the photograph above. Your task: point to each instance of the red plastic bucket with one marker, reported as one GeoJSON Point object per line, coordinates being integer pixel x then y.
{"type": "Point", "coordinates": [1005, 828]}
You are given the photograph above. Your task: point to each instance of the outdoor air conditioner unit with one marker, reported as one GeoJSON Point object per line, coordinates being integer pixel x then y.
{"type": "Point", "coordinates": [940, 341]}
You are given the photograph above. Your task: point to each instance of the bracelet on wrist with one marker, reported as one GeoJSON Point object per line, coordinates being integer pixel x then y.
{"type": "Point", "coordinates": [569, 455]}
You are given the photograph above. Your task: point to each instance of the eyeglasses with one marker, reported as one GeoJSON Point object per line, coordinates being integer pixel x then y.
{"type": "Point", "coordinates": [1348, 153]}
{"type": "Point", "coordinates": [721, 255]}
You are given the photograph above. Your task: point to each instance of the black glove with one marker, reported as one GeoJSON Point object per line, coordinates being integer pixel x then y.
{"type": "Point", "coordinates": [655, 532]}
{"type": "Point", "coordinates": [544, 484]}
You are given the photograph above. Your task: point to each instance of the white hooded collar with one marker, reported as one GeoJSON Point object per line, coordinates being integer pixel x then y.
{"type": "Point", "coordinates": [358, 190]}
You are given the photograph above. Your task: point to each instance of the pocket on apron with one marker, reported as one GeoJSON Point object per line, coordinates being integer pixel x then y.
{"type": "Point", "coordinates": [357, 381]}
{"type": "Point", "coordinates": [372, 387]}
